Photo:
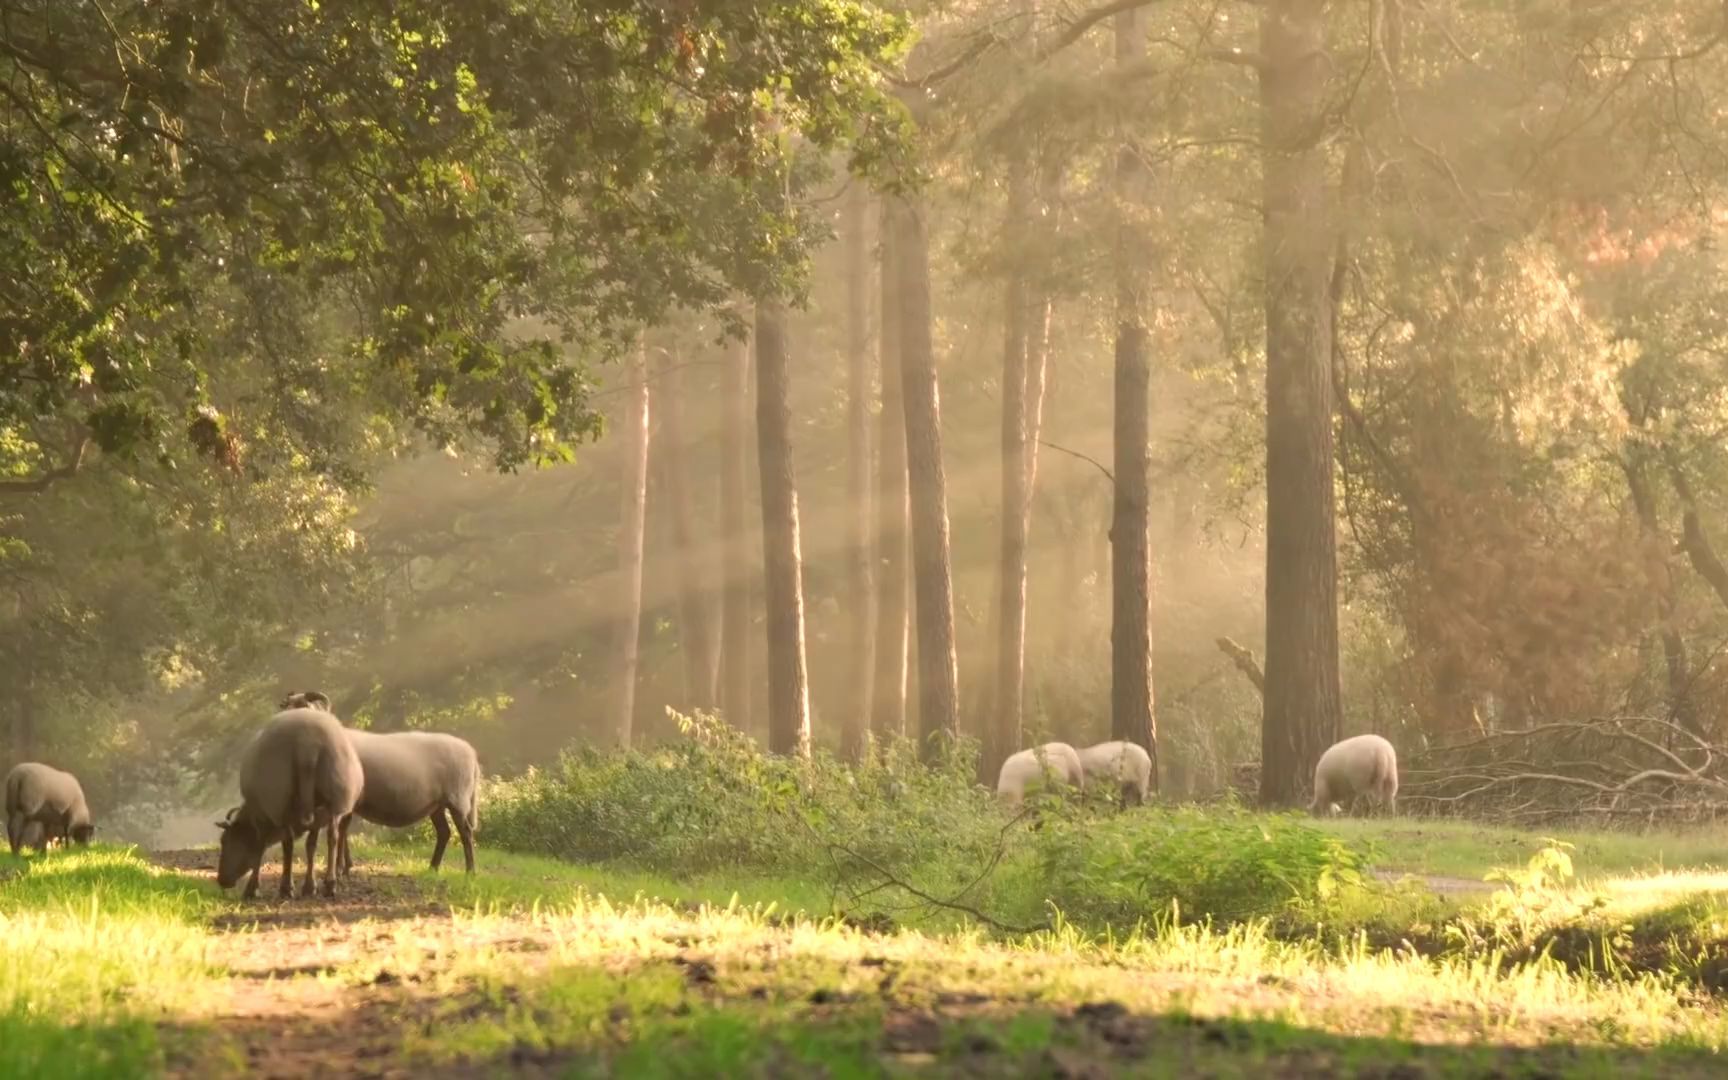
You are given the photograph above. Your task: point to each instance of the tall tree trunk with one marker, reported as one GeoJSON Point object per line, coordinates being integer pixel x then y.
{"type": "Point", "coordinates": [735, 562]}
{"type": "Point", "coordinates": [633, 514]}
{"type": "Point", "coordinates": [1131, 717]}
{"type": "Point", "coordinates": [782, 566]}
{"type": "Point", "coordinates": [1004, 713]}
{"type": "Point", "coordinates": [688, 563]}
{"type": "Point", "coordinates": [893, 579]}
{"type": "Point", "coordinates": [1637, 467]}
{"type": "Point", "coordinates": [1303, 699]}
{"type": "Point", "coordinates": [856, 715]}
{"type": "Point", "coordinates": [938, 674]}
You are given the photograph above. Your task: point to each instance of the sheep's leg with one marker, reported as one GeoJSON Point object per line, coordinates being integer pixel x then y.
{"type": "Point", "coordinates": [441, 826]}
{"type": "Point", "coordinates": [465, 830]}
{"type": "Point", "coordinates": [257, 868]}
{"type": "Point", "coordinates": [15, 824]}
{"type": "Point", "coordinates": [307, 884]}
{"type": "Point", "coordinates": [333, 830]}
{"type": "Point", "coordinates": [347, 856]}
{"type": "Point", "coordinates": [286, 890]}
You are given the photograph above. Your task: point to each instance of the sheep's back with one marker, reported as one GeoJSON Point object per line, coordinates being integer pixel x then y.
{"type": "Point", "coordinates": [409, 774]}
{"type": "Point", "coordinates": [291, 739]}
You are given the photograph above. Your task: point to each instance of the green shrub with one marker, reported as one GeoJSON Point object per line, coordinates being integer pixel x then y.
{"type": "Point", "coordinates": [713, 800]}
{"type": "Point", "coordinates": [1227, 864]}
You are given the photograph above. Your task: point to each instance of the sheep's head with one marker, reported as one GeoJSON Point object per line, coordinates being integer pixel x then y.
{"type": "Point", "coordinates": [242, 844]}
{"type": "Point", "coordinates": [305, 699]}
{"type": "Point", "coordinates": [83, 833]}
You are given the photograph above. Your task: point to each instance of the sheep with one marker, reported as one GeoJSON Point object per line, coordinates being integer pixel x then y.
{"type": "Point", "coordinates": [299, 774]}
{"type": "Point", "coordinates": [1027, 767]}
{"type": "Point", "coordinates": [41, 795]}
{"type": "Point", "coordinates": [415, 775]}
{"type": "Point", "coordinates": [1126, 763]}
{"type": "Point", "coordinates": [410, 776]}
{"type": "Point", "coordinates": [1363, 764]}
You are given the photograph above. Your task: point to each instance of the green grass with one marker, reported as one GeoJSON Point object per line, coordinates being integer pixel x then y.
{"type": "Point", "coordinates": [1469, 850]}
{"type": "Point", "coordinates": [96, 946]}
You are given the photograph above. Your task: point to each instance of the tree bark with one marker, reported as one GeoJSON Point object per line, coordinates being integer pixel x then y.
{"type": "Point", "coordinates": [1004, 712]}
{"type": "Point", "coordinates": [855, 717]}
{"type": "Point", "coordinates": [893, 579]}
{"type": "Point", "coordinates": [1303, 699]}
{"type": "Point", "coordinates": [633, 514]}
{"type": "Point", "coordinates": [736, 575]}
{"type": "Point", "coordinates": [688, 563]}
{"type": "Point", "coordinates": [782, 566]}
{"type": "Point", "coordinates": [938, 674]}
{"type": "Point", "coordinates": [1131, 702]}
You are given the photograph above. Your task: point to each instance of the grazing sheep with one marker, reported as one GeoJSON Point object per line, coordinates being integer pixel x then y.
{"type": "Point", "coordinates": [415, 775]}
{"type": "Point", "coordinates": [299, 774]}
{"type": "Point", "coordinates": [1027, 767]}
{"type": "Point", "coordinates": [1361, 765]}
{"type": "Point", "coordinates": [1127, 764]}
{"type": "Point", "coordinates": [44, 796]}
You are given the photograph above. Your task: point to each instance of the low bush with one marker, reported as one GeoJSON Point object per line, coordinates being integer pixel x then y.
{"type": "Point", "coordinates": [1226, 864]}
{"type": "Point", "coordinates": [713, 800]}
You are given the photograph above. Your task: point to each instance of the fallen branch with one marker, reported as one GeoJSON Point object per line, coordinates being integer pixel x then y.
{"type": "Point", "coordinates": [1245, 662]}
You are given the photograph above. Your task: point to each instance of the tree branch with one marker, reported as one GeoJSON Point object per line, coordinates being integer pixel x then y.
{"type": "Point", "coordinates": [37, 484]}
{"type": "Point", "coordinates": [1108, 475]}
{"type": "Point", "coordinates": [1245, 662]}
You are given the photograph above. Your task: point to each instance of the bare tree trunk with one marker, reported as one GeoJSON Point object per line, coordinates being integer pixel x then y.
{"type": "Point", "coordinates": [735, 561]}
{"type": "Point", "coordinates": [856, 712]}
{"type": "Point", "coordinates": [688, 562]}
{"type": "Point", "coordinates": [1131, 716]}
{"type": "Point", "coordinates": [782, 566]}
{"type": "Point", "coordinates": [938, 674]}
{"type": "Point", "coordinates": [1673, 645]}
{"type": "Point", "coordinates": [1004, 713]}
{"type": "Point", "coordinates": [1303, 698]}
{"type": "Point", "coordinates": [893, 579]}
{"type": "Point", "coordinates": [633, 507]}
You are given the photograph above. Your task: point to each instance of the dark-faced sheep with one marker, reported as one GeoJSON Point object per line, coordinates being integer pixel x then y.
{"type": "Point", "coordinates": [1122, 763]}
{"type": "Point", "coordinates": [299, 774]}
{"type": "Point", "coordinates": [1024, 770]}
{"type": "Point", "coordinates": [1360, 765]}
{"type": "Point", "coordinates": [49, 798]}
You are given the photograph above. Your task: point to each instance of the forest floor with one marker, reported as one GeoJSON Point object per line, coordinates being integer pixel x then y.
{"type": "Point", "coordinates": [528, 968]}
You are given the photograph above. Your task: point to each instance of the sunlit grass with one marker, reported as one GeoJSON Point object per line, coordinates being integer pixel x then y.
{"type": "Point", "coordinates": [95, 946]}
{"type": "Point", "coordinates": [1469, 850]}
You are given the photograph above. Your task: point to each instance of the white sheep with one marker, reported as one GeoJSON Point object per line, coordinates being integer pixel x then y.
{"type": "Point", "coordinates": [1361, 765]}
{"type": "Point", "coordinates": [49, 798]}
{"type": "Point", "coordinates": [1026, 768]}
{"type": "Point", "coordinates": [1123, 763]}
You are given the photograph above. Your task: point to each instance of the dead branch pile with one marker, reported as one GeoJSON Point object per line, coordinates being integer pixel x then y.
{"type": "Point", "coordinates": [1612, 768]}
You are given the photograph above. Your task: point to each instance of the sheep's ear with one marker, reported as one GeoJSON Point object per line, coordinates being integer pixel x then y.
{"type": "Point", "coordinates": [313, 697]}
{"type": "Point", "coordinates": [223, 825]}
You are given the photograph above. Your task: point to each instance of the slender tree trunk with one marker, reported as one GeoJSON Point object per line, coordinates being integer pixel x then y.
{"type": "Point", "coordinates": [938, 674]}
{"type": "Point", "coordinates": [893, 579]}
{"type": "Point", "coordinates": [688, 562]}
{"type": "Point", "coordinates": [735, 584]}
{"type": "Point", "coordinates": [856, 712]}
{"type": "Point", "coordinates": [1637, 467]}
{"type": "Point", "coordinates": [1004, 714]}
{"type": "Point", "coordinates": [1131, 716]}
{"type": "Point", "coordinates": [633, 507]}
{"type": "Point", "coordinates": [1303, 698]}
{"type": "Point", "coordinates": [782, 567]}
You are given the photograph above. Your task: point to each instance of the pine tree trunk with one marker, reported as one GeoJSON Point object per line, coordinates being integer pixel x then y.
{"type": "Point", "coordinates": [633, 512]}
{"type": "Point", "coordinates": [893, 577]}
{"type": "Point", "coordinates": [1131, 717]}
{"type": "Point", "coordinates": [735, 561]}
{"type": "Point", "coordinates": [855, 717]}
{"type": "Point", "coordinates": [782, 568]}
{"type": "Point", "coordinates": [1004, 716]}
{"type": "Point", "coordinates": [1303, 699]}
{"type": "Point", "coordinates": [688, 562]}
{"type": "Point", "coordinates": [938, 675]}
